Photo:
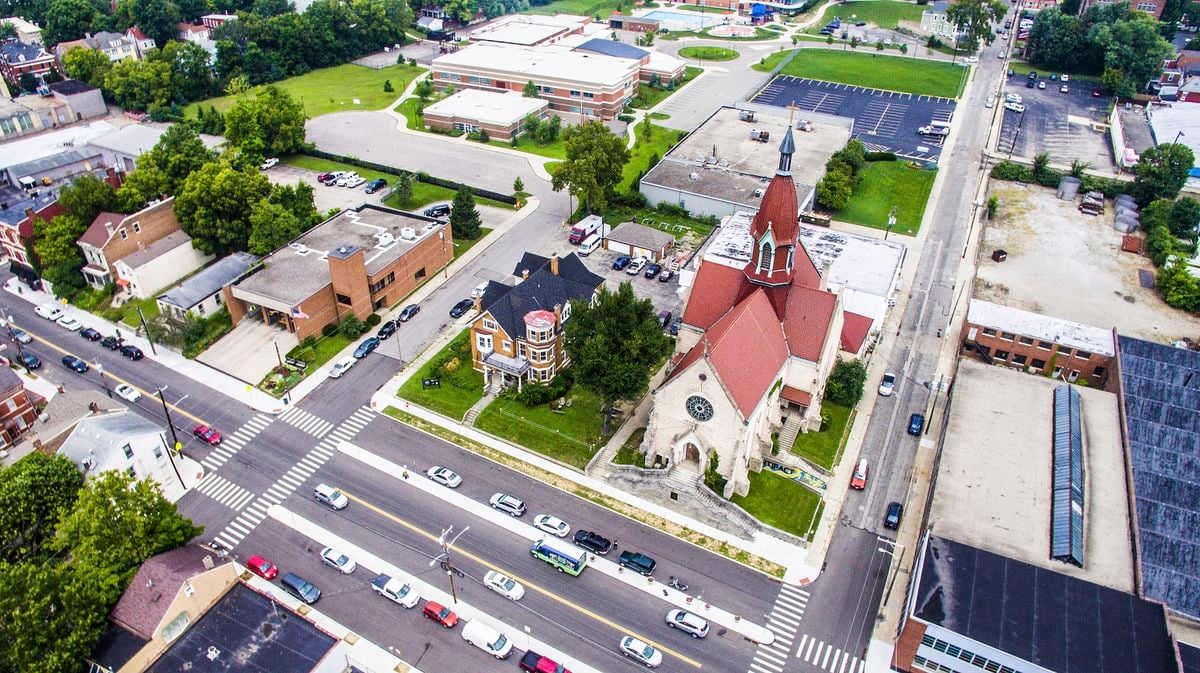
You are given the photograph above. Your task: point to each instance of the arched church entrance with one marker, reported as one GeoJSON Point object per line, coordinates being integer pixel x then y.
{"type": "Point", "coordinates": [691, 452]}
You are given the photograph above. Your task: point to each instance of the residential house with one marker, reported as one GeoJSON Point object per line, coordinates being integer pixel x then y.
{"type": "Point", "coordinates": [18, 58]}
{"type": "Point", "coordinates": [638, 240]}
{"type": "Point", "coordinates": [18, 408]}
{"type": "Point", "coordinates": [198, 34]}
{"type": "Point", "coordinates": [518, 334]}
{"type": "Point", "coordinates": [123, 441]}
{"type": "Point", "coordinates": [217, 20]}
{"type": "Point", "coordinates": [69, 101]}
{"type": "Point", "coordinates": [200, 295]}
{"type": "Point", "coordinates": [124, 146]}
{"type": "Point", "coordinates": [935, 21]}
{"type": "Point", "coordinates": [27, 32]}
{"type": "Point", "coordinates": [141, 253]}
{"type": "Point", "coordinates": [142, 42]}
{"type": "Point", "coordinates": [757, 342]}
{"type": "Point", "coordinates": [133, 43]}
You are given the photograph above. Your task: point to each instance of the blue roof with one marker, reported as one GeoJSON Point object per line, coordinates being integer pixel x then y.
{"type": "Point", "coordinates": [209, 281]}
{"type": "Point", "coordinates": [1160, 389]}
{"type": "Point", "coordinates": [613, 48]}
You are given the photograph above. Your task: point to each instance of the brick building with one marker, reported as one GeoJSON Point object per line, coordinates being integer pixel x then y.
{"type": "Point", "coordinates": [18, 409]}
{"type": "Point", "coordinates": [1152, 7]}
{"type": "Point", "coordinates": [355, 263]}
{"type": "Point", "coordinates": [1035, 343]}
{"type": "Point", "coordinates": [18, 58]}
{"type": "Point", "coordinates": [502, 115]}
{"type": "Point", "coordinates": [518, 334]}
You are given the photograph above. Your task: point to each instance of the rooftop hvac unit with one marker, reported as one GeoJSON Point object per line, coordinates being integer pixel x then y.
{"type": "Point", "coordinates": [385, 239]}
{"type": "Point", "coordinates": [693, 175]}
{"type": "Point", "coordinates": [408, 233]}
{"type": "Point", "coordinates": [301, 249]}
{"type": "Point", "coordinates": [746, 115]}
{"type": "Point", "coordinates": [805, 125]}
{"type": "Point", "coordinates": [758, 193]}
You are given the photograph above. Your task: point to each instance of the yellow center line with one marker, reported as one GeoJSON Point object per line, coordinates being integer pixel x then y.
{"type": "Point", "coordinates": [116, 378]}
{"type": "Point", "coordinates": [535, 587]}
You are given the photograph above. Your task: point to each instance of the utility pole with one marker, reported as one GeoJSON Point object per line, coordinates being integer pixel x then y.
{"type": "Point", "coordinates": [444, 558]}
{"type": "Point", "coordinates": [174, 438]}
{"type": "Point", "coordinates": [103, 378]}
{"type": "Point", "coordinates": [146, 329]}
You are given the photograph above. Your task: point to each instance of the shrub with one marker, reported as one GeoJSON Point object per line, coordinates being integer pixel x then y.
{"type": "Point", "coordinates": [845, 384]}
{"type": "Point", "coordinates": [1012, 171]}
{"type": "Point", "coordinates": [329, 330]}
{"type": "Point", "coordinates": [373, 320]}
{"type": "Point", "coordinates": [628, 119]}
{"type": "Point", "coordinates": [631, 199]}
{"type": "Point", "coordinates": [880, 156]}
{"type": "Point", "coordinates": [712, 478]}
{"type": "Point", "coordinates": [672, 209]}
{"type": "Point", "coordinates": [309, 341]}
{"type": "Point", "coordinates": [352, 327]}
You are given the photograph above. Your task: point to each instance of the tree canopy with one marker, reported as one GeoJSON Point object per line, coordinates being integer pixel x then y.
{"type": "Point", "coordinates": [38, 489]}
{"type": "Point", "coordinates": [270, 124]}
{"type": "Point", "coordinates": [215, 204]}
{"type": "Point", "coordinates": [1161, 172]}
{"type": "Point", "coordinates": [465, 221]}
{"type": "Point", "coordinates": [87, 65]}
{"type": "Point", "coordinates": [975, 18]}
{"type": "Point", "coordinates": [592, 168]}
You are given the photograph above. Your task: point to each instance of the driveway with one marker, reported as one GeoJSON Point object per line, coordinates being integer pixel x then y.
{"type": "Point", "coordinates": [249, 352]}
{"type": "Point", "coordinates": [722, 83]}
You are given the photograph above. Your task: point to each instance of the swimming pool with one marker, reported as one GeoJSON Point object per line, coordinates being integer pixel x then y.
{"type": "Point", "coordinates": [684, 20]}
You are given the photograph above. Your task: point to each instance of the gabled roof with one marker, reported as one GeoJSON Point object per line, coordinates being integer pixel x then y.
{"type": "Point", "coordinates": [641, 236]}
{"type": "Point", "coordinates": [97, 233]}
{"type": "Point", "coordinates": [749, 330]}
{"type": "Point", "coordinates": [209, 281]}
{"type": "Point", "coordinates": [855, 328]}
{"type": "Point", "coordinates": [155, 585]}
{"type": "Point", "coordinates": [806, 321]}
{"type": "Point", "coordinates": [542, 290]}
{"type": "Point", "coordinates": [137, 33]}
{"type": "Point", "coordinates": [716, 288]}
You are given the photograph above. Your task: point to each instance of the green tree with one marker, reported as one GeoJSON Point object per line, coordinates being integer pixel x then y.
{"type": "Point", "coordinates": [87, 197]}
{"type": "Point", "coordinates": [845, 383]}
{"type": "Point", "coordinates": [592, 168]}
{"type": "Point", "coordinates": [299, 200]}
{"type": "Point", "coordinates": [215, 203]}
{"type": "Point", "coordinates": [403, 189]}
{"type": "Point", "coordinates": [52, 614]}
{"type": "Point", "coordinates": [1185, 217]}
{"type": "Point", "coordinates": [1179, 288]}
{"type": "Point", "coordinates": [531, 90]}
{"type": "Point", "coordinates": [38, 489]}
{"type": "Point", "coordinates": [549, 130]}
{"type": "Point", "coordinates": [87, 65]}
{"type": "Point", "coordinates": [712, 474]}
{"type": "Point", "coordinates": [142, 186]}
{"type": "Point", "coordinates": [70, 19]}
{"type": "Point", "coordinates": [1160, 244]}
{"type": "Point", "coordinates": [1057, 40]}
{"type": "Point", "coordinates": [834, 190]}
{"type": "Point", "coordinates": [191, 70]}
{"type": "Point", "coordinates": [1078, 167]}
{"type": "Point", "coordinates": [518, 185]}
{"type": "Point", "coordinates": [271, 227]}
{"type": "Point", "coordinates": [424, 90]}
{"type": "Point", "coordinates": [271, 124]}
{"type": "Point", "coordinates": [157, 18]}
{"type": "Point", "coordinates": [139, 85]}
{"type": "Point", "coordinates": [465, 221]}
{"type": "Point", "coordinates": [387, 86]}
{"type": "Point", "coordinates": [975, 18]}
{"type": "Point", "coordinates": [615, 344]}
{"type": "Point", "coordinates": [1070, 7]}
{"type": "Point", "coordinates": [1041, 165]}
{"type": "Point", "coordinates": [57, 253]}
{"type": "Point", "coordinates": [1131, 46]}
{"type": "Point", "coordinates": [1161, 172]}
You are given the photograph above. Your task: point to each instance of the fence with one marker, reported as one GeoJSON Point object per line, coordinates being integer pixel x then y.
{"type": "Point", "coordinates": [418, 176]}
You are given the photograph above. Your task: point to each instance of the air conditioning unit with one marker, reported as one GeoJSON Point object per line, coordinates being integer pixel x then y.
{"type": "Point", "coordinates": [758, 193]}
{"type": "Point", "coordinates": [408, 233]}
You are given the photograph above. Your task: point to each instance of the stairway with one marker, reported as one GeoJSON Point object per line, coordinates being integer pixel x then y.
{"type": "Point", "coordinates": [682, 478]}
{"type": "Point", "coordinates": [473, 412]}
{"type": "Point", "coordinates": [787, 434]}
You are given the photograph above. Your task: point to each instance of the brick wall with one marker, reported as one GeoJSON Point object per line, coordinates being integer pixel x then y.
{"type": "Point", "coordinates": [413, 268]}
{"type": "Point", "coordinates": [907, 644]}
{"type": "Point", "coordinates": [1019, 351]}
{"type": "Point", "coordinates": [141, 230]}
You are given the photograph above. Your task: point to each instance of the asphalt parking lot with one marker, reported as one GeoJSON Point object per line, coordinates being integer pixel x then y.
{"type": "Point", "coordinates": [1057, 123]}
{"type": "Point", "coordinates": [662, 295]}
{"type": "Point", "coordinates": [883, 120]}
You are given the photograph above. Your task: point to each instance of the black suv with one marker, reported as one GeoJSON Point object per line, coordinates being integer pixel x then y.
{"type": "Point", "coordinates": [460, 309]}
{"type": "Point", "coordinates": [375, 185]}
{"type": "Point", "coordinates": [639, 563]}
{"type": "Point", "coordinates": [387, 329]}
{"type": "Point", "coordinates": [112, 343]}
{"type": "Point", "coordinates": [593, 542]}
{"type": "Point", "coordinates": [440, 210]}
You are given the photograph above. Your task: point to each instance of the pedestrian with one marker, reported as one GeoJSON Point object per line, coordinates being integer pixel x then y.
{"type": "Point", "coordinates": [614, 543]}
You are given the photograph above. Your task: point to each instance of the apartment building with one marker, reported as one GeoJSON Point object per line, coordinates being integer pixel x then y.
{"type": "Point", "coordinates": [141, 253]}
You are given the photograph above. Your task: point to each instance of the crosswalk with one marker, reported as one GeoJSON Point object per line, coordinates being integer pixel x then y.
{"type": "Point", "coordinates": [303, 420]}
{"type": "Point", "coordinates": [233, 443]}
{"type": "Point", "coordinates": [783, 621]}
{"type": "Point", "coordinates": [224, 491]}
{"type": "Point", "coordinates": [252, 515]}
{"type": "Point", "coordinates": [826, 657]}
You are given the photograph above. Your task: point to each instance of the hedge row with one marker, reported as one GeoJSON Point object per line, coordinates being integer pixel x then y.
{"type": "Point", "coordinates": [1015, 172]}
{"type": "Point", "coordinates": [419, 176]}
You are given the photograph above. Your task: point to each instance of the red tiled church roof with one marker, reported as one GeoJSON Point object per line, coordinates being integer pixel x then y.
{"type": "Point", "coordinates": [854, 331]}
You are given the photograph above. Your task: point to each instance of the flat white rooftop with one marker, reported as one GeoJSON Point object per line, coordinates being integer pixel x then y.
{"type": "Point", "coordinates": [52, 143]}
{"type": "Point", "coordinates": [524, 30]}
{"type": "Point", "coordinates": [1167, 122]}
{"type": "Point", "coordinates": [540, 62]}
{"type": "Point", "coordinates": [1026, 323]}
{"type": "Point", "coordinates": [488, 107]}
{"type": "Point", "coordinates": [994, 478]}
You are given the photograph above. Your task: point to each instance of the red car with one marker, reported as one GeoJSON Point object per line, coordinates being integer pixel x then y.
{"type": "Point", "coordinates": [262, 567]}
{"type": "Point", "coordinates": [207, 435]}
{"type": "Point", "coordinates": [440, 614]}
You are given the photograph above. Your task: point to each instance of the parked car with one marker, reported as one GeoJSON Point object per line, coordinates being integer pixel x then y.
{"type": "Point", "coordinates": [636, 266]}
{"type": "Point", "coordinates": [207, 435]}
{"type": "Point", "coordinates": [408, 312]}
{"type": "Point", "coordinates": [1015, 107]}
{"type": "Point", "coordinates": [337, 560]}
{"type": "Point", "coordinates": [328, 495]}
{"type": "Point", "coordinates": [593, 542]}
{"type": "Point", "coordinates": [440, 614]}
{"type": "Point", "coordinates": [444, 476]}
{"type": "Point", "coordinates": [387, 329]}
{"type": "Point", "coordinates": [396, 591]}
{"type": "Point", "coordinates": [1029, 84]}
{"type": "Point", "coordinates": [887, 385]}
{"type": "Point", "coordinates": [479, 290]}
{"type": "Point", "coordinates": [508, 504]}
{"type": "Point", "coordinates": [971, 59]}
{"type": "Point", "coordinates": [345, 179]}
{"type": "Point", "coordinates": [666, 276]}
{"type": "Point", "coordinates": [858, 480]}
{"type": "Point", "coordinates": [1065, 78]}
{"type": "Point", "coordinates": [20, 335]}
{"type": "Point", "coordinates": [1095, 93]}
{"type": "Point", "coordinates": [89, 334]}
{"type": "Point", "coordinates": [1064, 89]}
{"type": "Point", "coordinates": [30, 360]}
{"type": "Point", "coordinates": [262, 567]}
{"type": "Point", "coordinates": [127, 392]}
{"type": "Point", "coordinates": [356, 182]}
{"type": "Point", "coordinates": [112, 343]}
{"type": "Point", "coordinates": [691, 624]}
{"type": "Point", "coordinates": [440, 210]}
{"type": "Point", "coordinates": [652, 270]}
{"type": "Point", "coordinates": [300, 588]}
{"type": "Point", "coordinates": [364, 349]}
{"type": "Point", "coordinates": [674, 329]}
{"type": "Point", "coordinates": [69, 323]}
{"type": "Point", "coordinates": [504, 585]}
{"type": "Point", "coordinates": [48, 311]}
{"type": "Point", "coordinates": [1053, 77]}
{"type": "Point", "coordinates": [664, 319]}
{"type": "Point", "coordinates": [533, 662]}
{"type": "Point", "coordinates": [269, 164]}
{"type": "Point", "coordinates": [990, 102]}
{"type": "Point", "coordinates": [376, 185]}
{"type": "Point", "coordinates": [1041, 84]}
{"type": "Point", "coordinates": [892, 518]}
{"type": "Point", "coordinates": [916, 423]}
{"type": "Point", "coordinates": [1013, 98]}
{"type": "Point", "coordinates": [342, 366]}
{"type": "Point", "coordinates": [621, 262]}
{"type": "Point", "coordinates": [637, 562]}
{"type": "Point", "coordinates": [132, 352]}
{"type": "Point", "coordinates": [322, 177]}
{"type": "Point", "coordinates": [860, 24]}
{"type": "Point", "coordinates": [640, 652]}
{"type": "Point", "coordinates": [460, 309]}
{"type": "Point", "coordinates": [551, 524]}
{"type": "Point", "coordinates": [73, 363]}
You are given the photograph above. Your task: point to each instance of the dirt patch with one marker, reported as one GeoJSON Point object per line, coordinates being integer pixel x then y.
{"type": "Point", "coordinates": [1069, 265]}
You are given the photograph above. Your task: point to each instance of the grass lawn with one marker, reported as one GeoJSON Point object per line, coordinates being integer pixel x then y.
{"type": "Point", "coordinates": [649, 96]}
{"type": "Point", "coordinates": [882, 13]}
{"type": "Point", "coordinates": [325, 350]}
{"type": "Point", "coordinates": [423, 192]}
{"type": "Point", "coordinates": [780, 502]}
{"type": "Point", "coordinates": [659, 115]}
{"type": "Point", "coordinates": [149, 308]}
{"type": "Point", "coordinates": [583, 7]}
{"type": "Point", "coordinates": [708, 53]}
{"type": "Point", "coordinates": [628, 454]}
{"type": "Point", "coordinates": [332, 89]}
{"type": "Point", "coordinates": [768, 62]}
{"type": "Point", "coordinates": [461, 388]}
{"type": "Point", "coordinates": [656, 144]}
{"type": "Point", "coordinates": [1023, 68]}
{"type": "Point", "coordinates": [461, 245]}
{"type": "Point", "coordinates": [892, 73]}
{"type": "Point", "coordinates": [552, 150]}
{"type": "Point", "coordinates": [676, 225]}
{"type": "Point", "coordinates": [885, 184]}
{"type": "Point", "coordinates": [759, 34]}
{"type": "Point", "coordinates": [821, 448]}
{"type": "Point", "coordinates": [572, 436]}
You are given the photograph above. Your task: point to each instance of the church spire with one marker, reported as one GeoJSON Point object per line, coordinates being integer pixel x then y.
{"type": "Point", "coordinates": [786, 149]}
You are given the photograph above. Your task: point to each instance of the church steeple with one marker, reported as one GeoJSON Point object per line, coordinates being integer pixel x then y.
{"type": "Point", "coordinates": [774, 231]}
{"type": "Point", "coordinates": [786, 149]}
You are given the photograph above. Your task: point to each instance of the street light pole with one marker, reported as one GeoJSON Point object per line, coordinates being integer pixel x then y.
{"type": "Point", "coordinates": [444, 558]}
{"type": "Point", "coordinates": [103, 378]}
{"type": "Point", "coordinates": [177, 446]}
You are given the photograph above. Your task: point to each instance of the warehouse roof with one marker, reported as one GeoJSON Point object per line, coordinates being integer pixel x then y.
{"type": "Point", "coordinates": [487, 107]}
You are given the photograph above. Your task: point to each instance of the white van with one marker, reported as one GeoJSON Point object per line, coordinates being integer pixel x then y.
{"type": "Point", "coordinates": [487, 639]}
{"type": "Point", "coordinates": [589, 244]}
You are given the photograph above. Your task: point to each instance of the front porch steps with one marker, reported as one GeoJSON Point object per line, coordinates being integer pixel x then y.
{"type": "Point", "coordinates": [789, 431]}
{"type": "Point", "coordinates": [473, 412]}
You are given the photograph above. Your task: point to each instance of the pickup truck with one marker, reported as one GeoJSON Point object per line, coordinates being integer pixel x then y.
{"type": "Point", "coordinates": [536, 663]}
{"type": "Point", "coordinates": [395, 591]}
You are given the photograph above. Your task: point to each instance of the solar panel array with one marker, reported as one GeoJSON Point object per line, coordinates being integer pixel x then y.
{"type": "Point", "coordinates": [1161, 392]}
{"type": "Point", "coordinates": [1066, 511]}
